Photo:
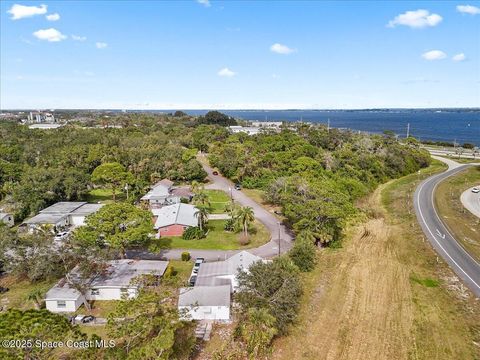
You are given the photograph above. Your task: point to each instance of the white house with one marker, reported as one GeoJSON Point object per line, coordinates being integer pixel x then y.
{"type": "Point", "coordinates": [205, 303]}
{"type": "Point", "coordinates": [7, 219]}
{"type": "Point", "coordinates": [225, 272]}
{"type": "Point", "coordinates": [173, 220]}
{"type": "Point", "coordinates": [249, 130]}
{"type": "Point", "coordinates": [114, 284]}
{"type": "Point", "coordinates": [62, 214]}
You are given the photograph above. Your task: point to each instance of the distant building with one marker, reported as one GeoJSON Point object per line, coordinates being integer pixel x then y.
{"type": "Point", "coordinates": [7, 219]}
{"type": "Point", "coordinates": [205, 303]}
{"type": "Point", "coordinates": [266, 124]}
{"type": "Point", "coordinates": [249, 130]}
{"type": "Point", "coordinates": [173, 220]}
{"type": "Point", "coordinates": [62, 214]}
{"type": "Point", "coordinates": [40, 117]}
{"type": "Point", "coordinates": [164, 193]}
{"type": "Point", "coordinates": [114, 284]}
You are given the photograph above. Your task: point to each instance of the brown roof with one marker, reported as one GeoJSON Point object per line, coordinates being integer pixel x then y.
{"type": "Point", "coordinates": [165, 182]}
{"type": "Point", "coordinates": [183, 191]}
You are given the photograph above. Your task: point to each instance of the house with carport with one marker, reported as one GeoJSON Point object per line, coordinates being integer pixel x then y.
{"type": "Point", "coordinates": [115, 283]}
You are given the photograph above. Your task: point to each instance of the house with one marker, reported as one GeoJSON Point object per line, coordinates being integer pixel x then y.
{"type": "Point", "coordinates": [160, 194]}
{"type": "Point", "coordinates": [114, 284]}
{"type": "Point", "coordinates": [173, 220]}
{"type": "Point", "coordinates": [7, 219]}
{"type": "Point", "coordinates": [221, 273]}
{"type": "Point", "coordinates": [62, 215]}
{"type": "Point", "coordinates": [205, 303]}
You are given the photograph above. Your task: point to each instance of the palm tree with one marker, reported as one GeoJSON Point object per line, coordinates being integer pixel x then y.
{"type": "Point", "coordinates": [201, 198]}
{"type": "Point", "coordinates": [202, 215]}
{"type": "Point", "coordinates": [245, 216]}
{"type": "Point", "coordinates": [36, 296]}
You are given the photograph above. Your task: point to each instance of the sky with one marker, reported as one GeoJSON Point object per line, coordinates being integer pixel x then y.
{"type": "Point", "coordinates": [239, 54]}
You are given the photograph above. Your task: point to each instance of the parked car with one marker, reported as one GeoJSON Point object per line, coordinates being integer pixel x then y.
{"type": "Point", "coordinates": [193, 280]}
{"type": "Point", "coordinates": [198, 262]}
{"type": "Point", "coordinates": [215, 173]}
{"type": "Point", "coordinates": [83, 319]}
{"type": "Point", "coordinates": [475, 190]}
{"type": "Point", "coordinates": [61, 236]}
{"type": "Point", "coordinates": [238, 187]}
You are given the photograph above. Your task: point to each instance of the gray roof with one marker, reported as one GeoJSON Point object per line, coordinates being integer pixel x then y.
{"type": "Point", "coordinates": [57, 212]}
{"type": "Point", "coordinates": [64, 207]}
{"type": "Point", "coordinates": [205, 296]}
{"type": "Point", "coordinates": [182, 214]}
{"type": "Point", "coordinates": [86, 209]}
{"type": "Point", "coordinates": [121, 272]}
{"type": "Point", "coordinates": [221, 272]}
{"type": "Point", "coordinates": [159, 191]}
{"type": "Point", "coordinates": [62, 291]}
{"type": "Point", "coordinates": [45, 219]}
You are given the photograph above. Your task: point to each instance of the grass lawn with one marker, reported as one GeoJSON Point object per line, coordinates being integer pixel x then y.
{"type": "Point", "coordinates": [219, 239]}
{"type": "Point", "coordinates": [218, 200]}
{"type": "Point", "coordinates": [463, 225]}
{"type": "Point", "coordinates": [17, 296]}
{"type": "Point", "coordinates": [103, 195]}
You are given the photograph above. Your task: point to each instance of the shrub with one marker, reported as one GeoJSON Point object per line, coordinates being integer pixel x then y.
{"type": "Point", "coordinates": [169, 272]}
{"type": "Point", "coordinates": [193, 233]}
{"type": "Point", "coordinates": [303, 254]}
{"type": "Point", "coordinates": [229, 225]}
{"type": "Point", "coordinates": [185, 256]}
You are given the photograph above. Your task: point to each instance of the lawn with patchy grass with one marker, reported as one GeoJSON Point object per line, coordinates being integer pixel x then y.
{"type": "Point", "coordinates": [17, 296]}
{"type": "Point", "coordinates": [219, 239]}
{"type": "Point", "coordinates": [104, 196]}
{"type": "Point", "coordinates": [218, 200]}
{"type": "Point", "coordinates": [463, 225]}
{"type": "Point", "coordinates": [383, 295]}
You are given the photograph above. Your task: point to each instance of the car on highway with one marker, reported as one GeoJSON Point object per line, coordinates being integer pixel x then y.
{"type": "Point", "coordinates": [475, 190]}
{"type": "Point", "coordinates": [238, 187]}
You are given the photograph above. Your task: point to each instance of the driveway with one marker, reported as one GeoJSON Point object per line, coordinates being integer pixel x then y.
{"type": "Point", "coordinates": [280, 237]}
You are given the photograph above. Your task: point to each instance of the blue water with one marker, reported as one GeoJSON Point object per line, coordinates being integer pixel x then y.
{"type": "Point", "coordinates": [438, 125]}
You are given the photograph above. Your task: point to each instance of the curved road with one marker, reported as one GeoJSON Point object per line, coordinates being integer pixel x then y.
{"type": "Point", "coordinates": [268, 250]}
{"type": "Point", "coordinates": [465, 266]}
{"type": "Point", "coordinates": [471, 201]}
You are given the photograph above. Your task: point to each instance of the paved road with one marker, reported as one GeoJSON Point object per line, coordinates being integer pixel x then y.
{"type": "Point", "coordinates": [267, 250]}
{"type": "Point", "coordinates": [471, 201]}
{"type": "Point", "coordinates": [438, 235]}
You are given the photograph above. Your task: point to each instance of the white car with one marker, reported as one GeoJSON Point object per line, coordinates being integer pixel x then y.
{"type": "Point", "coordinates": [475, 190]}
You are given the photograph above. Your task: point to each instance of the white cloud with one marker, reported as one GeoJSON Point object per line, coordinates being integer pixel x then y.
{"type": "Point", "coordinates": [416, 19]}
{"type": "Point", "coordinates": [226, 72]}
{"type": "Point", "coordinates": [79, 38]}
{"type": "Point", "coordinates": [468, 9]}
{"type": "Point", "coordinates": [281, 49]}
{"type": "Point", "coordinates": [434, 55]}
{"type": "Point", "coordinates": [53, 17]}
{"type": "Point", "coordinates": [459, 57]}
{"type": "Point", "coordinates": [205, 3]}
{"type": "Point", "coordinates": [22, 11]}
{"type": "Point", "coordinates": [101, 45]}
{"type": "Point", "coordinates": [52, 35]}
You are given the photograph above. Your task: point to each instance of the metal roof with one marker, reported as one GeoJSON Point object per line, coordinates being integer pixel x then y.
{"type": "Point", "coordinates": [182, 214]}
{"type": "Point", "coordinates": [86, 209]}
{"type": "Point", "coordinates": [45, 219]}
{"type": "Point", "coordinates": [57, 212]}
{"type": "Point", "coordinates": [64, 207]}
{"type": "Point", "coordinates": [205, 296]}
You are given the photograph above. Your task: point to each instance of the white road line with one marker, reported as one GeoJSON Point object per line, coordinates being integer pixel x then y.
{"type": "Point", "coordinates": [434, 238]}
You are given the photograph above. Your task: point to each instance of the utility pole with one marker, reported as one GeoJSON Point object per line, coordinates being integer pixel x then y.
{"type": "Point", "coordinates": [408, 130]}
{"type": "Point", "coordinates": [279, 240]}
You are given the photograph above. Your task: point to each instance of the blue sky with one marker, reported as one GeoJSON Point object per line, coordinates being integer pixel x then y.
{"type": "Point", "coordinates": [244, 54]}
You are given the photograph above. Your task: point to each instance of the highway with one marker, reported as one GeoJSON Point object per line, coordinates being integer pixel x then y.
{"type": "Point", "coordinates": [465, 266]}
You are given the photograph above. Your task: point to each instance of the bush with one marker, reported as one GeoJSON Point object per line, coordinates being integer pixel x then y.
{"type": "Point", "coordinates": [169, 272]}
{"type": "Point", "coordinates": [303, 254]}
{"type": "Point", "coordinates": [229, 225]}
{"type": "Point", "coordinates": [193, 233]}
{"type": "Point", "coordinates": [185, 256]}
